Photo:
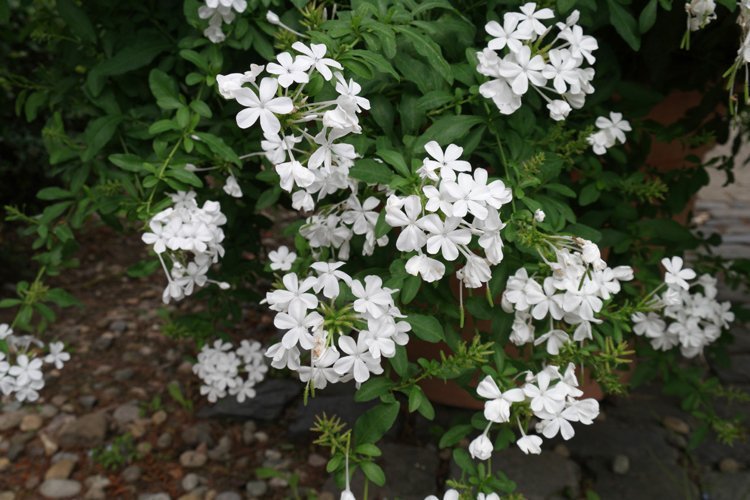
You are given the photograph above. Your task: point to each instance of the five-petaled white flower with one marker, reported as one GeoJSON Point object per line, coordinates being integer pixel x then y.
{"type": "Point", "coordinates": [264, 106]}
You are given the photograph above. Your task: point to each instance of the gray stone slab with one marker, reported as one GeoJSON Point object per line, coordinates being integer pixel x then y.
{"type": "Point", "coordinates": [727, 485]}
{"type": "Point", "coordinates": [272, 396]}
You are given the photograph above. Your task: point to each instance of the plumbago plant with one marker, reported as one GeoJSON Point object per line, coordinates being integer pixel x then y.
{"type": "Point", "coordinates": [475, 177]}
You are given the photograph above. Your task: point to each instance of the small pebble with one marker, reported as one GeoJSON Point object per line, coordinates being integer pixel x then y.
{"type": "Point", "coordinates": [675, 424]}
{"type": "Point", "coordinates": [143, 448]}
{"type": "Point", "coordinates": [164, 441]}
{"type": "Point", "coordinates": [60, 469]}
{"type": "Point", "coordinates": [131, 474]}
{"type": "Point", "coordinates": [193, 459]}
{"type": "Point", "coordinates": [261, 437]}
{"type": "Point", "coordinates": [31, 422]}
{"type": "Point", "coordinates": [159, 417]}
{"type": "Point", "coordinates": [621, 464]}
{"type": "Point", "coordinates": [256, 488]}
{"type": "Point", "coordinates": [4, 463]}
{"type": "Point", "coordinates": [316, 460]}
{"type": "Point", "coordinates": [729, 465]}
{"type": "Point", "coordinates": [278, 482]}
{"type": "Point", "coordinates": [190, 481]}
{"type": "Point", "coordinates": [60, 488]}
{"type": "Point", "coordinates": [228, 495]}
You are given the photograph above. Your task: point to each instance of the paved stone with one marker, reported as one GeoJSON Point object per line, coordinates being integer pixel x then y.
{"type": "Point", "coordinates": [256, 489]}
{"type": "Point", "coordinates": [60, 469]}
{"type": "Point", "coordinates": [727, 486]}
{"type": "Point", "coordinates": [411, 473]}
{"type": "Point", "coordinates": [87, 431]}
{"type": "Point", "coordinates": [272, 397]}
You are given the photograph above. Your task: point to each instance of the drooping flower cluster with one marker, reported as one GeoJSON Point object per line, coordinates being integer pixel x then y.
{"type": "Point", "coordinates": [21, 372]}
{"type": "Point", "coordinates": [517, 59]}
{"type": "Point", "coordinates": [225, 370]}
{"type": "Point", "coordinates": [552, 397]}
{"type": "Point", "coordinates": [699, 13]}
{"type": "Point", "coordinates": [567, 299]}
{"type": "Point", "coordinates": [306, 148]}
{"type": "Point", "coordinates": [345, 335]}
{"type": "Point", "coordinates": [611, 131]}
{"type": "Point", "coordinates": [458, 206]}
{"type": "Point", "coordinates": [687, 314]}
{"type": "Point", "coordinates": [191, 237]}
{"type": "Point", "coordinates": [219, 12]}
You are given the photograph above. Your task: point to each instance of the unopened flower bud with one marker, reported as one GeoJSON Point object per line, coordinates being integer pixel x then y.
{"type": "Point", "coordinates": [539, 215]}
{"type": "Point", "coordinates": [481, 448]}
{"type": "Point", "coordinates": [272, 18]}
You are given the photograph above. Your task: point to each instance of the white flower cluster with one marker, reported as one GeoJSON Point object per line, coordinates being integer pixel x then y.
{"type": "Point", "coordinates": [611, 131]}
{"type": "Point", "coordinates": [529, 62]}
{"type": "Point", "coordinates": [219, 12]}
{"type": "Point", "coordinates": [366, 329]}
{"type": "Point", "coordinates": [456, 206]}
{"type": "Point", "coordinates": [572, 295]}
{"type": "Point", "coordinates": [552, 397]}
{"type": "Point", "coordinates": [20, 369]}
{"type": "Point", "coordinates": [221, 370]}
{"type": "Point", "coordinates": [320, 166]}
{"type": "Point", "coordinates": [180, 231]}
{"type": "Point", "coordinates": [699, 13]}
{"type": "Point", "coordinates": [683, 316]}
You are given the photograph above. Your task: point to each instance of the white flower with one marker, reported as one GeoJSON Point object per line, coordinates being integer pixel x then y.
{"type": "Point", "coordinates": [328, 278]}
{"type": "Point", "coordinates": [539, 215]}
{"type": "Point", "coordinates": [444, 235]}
{"type": "Point", "coordinates": [558, 110]}
{"type": "Point", "coordinates": [290, 70]}
{"type": "Point", "coordinates": [314, 56]}
{"type": "Point", "coordinates": [26, 370]}
{"type": "Point", "coordinates": [299, 325]}
{"type": "Point", "coordinates": [56, 355]}
{"type": "Point", "coordinates": [293, 173]}
{"type": "Point", "coordinates": [530, 444]}
{"type": "Point", "coordinates": [281, 258]}
{"type": "Point", "coordinates": [531, 18]}
{"type": "Point", "coordinates": [506, 35]}
{"type": "Point", "coordinates": [5, 331]}
{"type": "Point", "coordinates": [481, 447]}
{"type": "Point", "coordinates": [232, 188]}
{"type": "Point", "coordinates": [498, 408]}
{"type": "Point", "coordinates": [446, 162]}
{"type": "Point", "coordinates": [264, 106]}
{"type": "Point", "coordinates": [555, 339]}
{"type": "Point", "coordinates": [543, 397]}
{"type": "Point", "coordinates": [450, 494]}
{"type": "Point", "coordinates": [411, 237]}
{"type": "Point", "coordinates": [372, 298]}
{"type": "Point", "coordinates": [428, 268]}
{"type": "Point", "coordinates": [520, 68]}
{"type": "Point", "coordinates": [675, 274]}
{"type": "Point", "coordinates": [358, 360]}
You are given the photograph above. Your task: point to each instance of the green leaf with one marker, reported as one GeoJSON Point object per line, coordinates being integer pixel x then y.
{"type": "Point", "coordinates": [77, 20]}
{"type": "Point", "coordinates": [143, 268]}
{"type": "Point", "coordinates": [162, 85]}
{"type": "Point", "coordinates": [198, 59]}
{"type": "Point", "coordinates": [53, 193]}
{"type": "Point", "coordinates": [201, 108]}
{"type": "Point", "coordinates": [648, 16]}
{"type": "Point", "coordinates": [564, 6]}
{"type": "Point", "coordinates": [4, 12]}
{"type": "Point", "coordinates": [589, 194]}
{"type": "Point", "coordinates": [454, 435]}
{"type": "Point", "coordinates": [373, 388]}
{"type": "Point", "coordinates": [97, 134]}
{"type": "Point", "coordinates": [219, 147]}
{"type": "Point", "coordinates": [464, 461]}
{"type": "Point", "coordinates": [448, 129]}
{"type": "Point", "coordinates": [371, 171]}
{"type": "Point", "coordinates": [369, 450]}
{"type": "Point", "coordinates": [375, 422]}
{"type": "Point", "coordinates": [373, 472]}
{"type": "Point", "coordinates": [429, 50]}
{"type": "Point", "coordinates": [394, 159]}
{"type": "Point", "coordinates": [182, 175]}
{"type": "Point", "coordinates": [400, 362]}
{"type": "Point", "coordinates": [625, 24]}
{"type": "Point", "coordinates": [427, 328]}
{"type": "Point", "coordinates": [136, 54]}
{"type": "Point", "coordinates": [131, 163]}
{"type": "Point", "coordinates": [5, 303]}
{"type": "Point", "coordinates": [62, 298]}
{"type": "Point", "coordinates": [372, 59]}
{"type": "Point", "coordinates": [410, 288]}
